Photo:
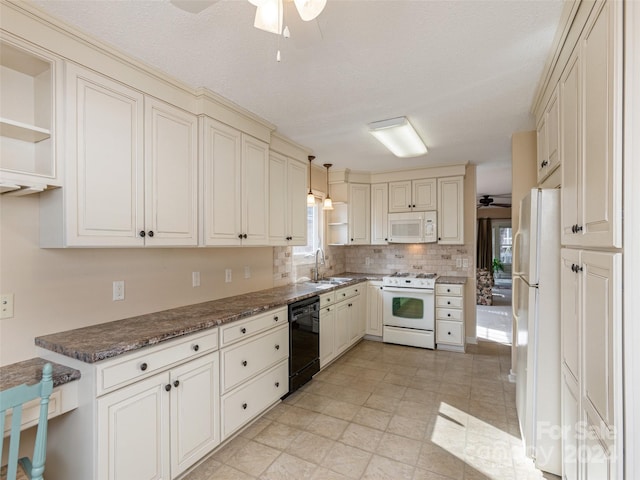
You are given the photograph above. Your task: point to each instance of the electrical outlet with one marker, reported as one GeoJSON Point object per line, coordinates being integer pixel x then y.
{"type": "Point", "coordinates": [118, 290]}
{"type": "Point", "coordinates": [227, 275]}
{"type": "Point", "coordinates": [465, 263]}
{"type": "Point", "coordinates": [195, 279]}
{"type": "Point", "coordinates": [367, 261]}
{"type": "Point", "coordinates": [6, 305]}
{"type": "Point", "coordinates": [458, 263]}
{"type": "Point", "coordinates": [247, 271]}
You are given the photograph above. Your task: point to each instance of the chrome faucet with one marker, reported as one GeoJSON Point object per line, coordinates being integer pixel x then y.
{"type": "Point", "coordinates": [316, 274]}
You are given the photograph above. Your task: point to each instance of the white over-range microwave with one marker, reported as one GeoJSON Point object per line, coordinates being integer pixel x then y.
{"type": "Point", "coordinates": [413, 227]}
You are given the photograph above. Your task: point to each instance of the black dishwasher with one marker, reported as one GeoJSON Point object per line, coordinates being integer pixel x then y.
{"type": "Point", "coordinates": [304, 341]}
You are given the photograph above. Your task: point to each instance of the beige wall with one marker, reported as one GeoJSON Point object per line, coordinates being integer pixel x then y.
{"type": "Point", "coordinates": [470, 224]}
{"type": "Point", "coordinates": [494, 213]}
{"type": "Point", "coordinates": [523, 170]}
{"type": "Point", "coordinates": [61, 289]}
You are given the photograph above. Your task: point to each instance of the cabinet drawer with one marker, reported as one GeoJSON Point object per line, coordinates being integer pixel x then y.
{"type": "Point", "coordinates": [242, 329]}
{"type": "Point", "coordinates": [133, 367]}
{"type": "Point", "coordinates": [448, 314]}
{"type": "Point", "coordinates": [449, 332]}
{"type": "Point", "coordinates": [451, 290]}
{"type": "Point", "coordinates": [348, 292]}
{"type": "Point", "coordinates": [449, 302]}
{"type": "Point", "coordinates": [327, 299]}
{"type": "Point", "coordinates": [243, 404]}
{"type": "Point", "coordinates": [240, 362]}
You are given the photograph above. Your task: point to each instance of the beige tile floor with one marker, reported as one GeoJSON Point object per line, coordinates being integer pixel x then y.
{"type": "Point", "coordinates": [388, 412]}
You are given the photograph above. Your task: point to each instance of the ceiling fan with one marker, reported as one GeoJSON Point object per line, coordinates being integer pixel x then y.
{"type": "Point", "coordinates": [488, 201]}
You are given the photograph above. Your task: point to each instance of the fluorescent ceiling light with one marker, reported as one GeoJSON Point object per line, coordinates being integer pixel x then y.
{"type": "Point", "coordinates": [399, 137]}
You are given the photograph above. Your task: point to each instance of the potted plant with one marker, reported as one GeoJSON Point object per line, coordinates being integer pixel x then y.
{"type": "Point", "coordinates": [497, 266]}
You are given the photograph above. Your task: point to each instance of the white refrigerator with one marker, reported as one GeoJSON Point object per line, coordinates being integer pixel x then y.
{"type": "Point", "coordinates": [536, 310]}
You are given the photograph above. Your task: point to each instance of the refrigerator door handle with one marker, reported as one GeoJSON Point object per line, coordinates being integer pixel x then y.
{"type": "Point", "coordinates": [516, 256]}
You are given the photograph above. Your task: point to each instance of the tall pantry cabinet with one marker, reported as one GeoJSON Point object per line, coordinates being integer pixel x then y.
{"type": "Point", "coordinates": [590, 101]}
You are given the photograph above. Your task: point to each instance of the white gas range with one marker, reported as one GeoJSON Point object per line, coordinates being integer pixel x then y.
{"type": "Point", "coordinates": [409, 309]}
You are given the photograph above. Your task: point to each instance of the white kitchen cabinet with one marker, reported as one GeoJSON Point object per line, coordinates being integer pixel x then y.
{"type": "Point", "coordinates": [30, 116]}
{"type": "Point", "coordinates": [451, 210]}
{"type": "Point", "coordinates": [379, 213]}
{"type": "Point", "coordinates": [338, 224]}
{"type": "Point", "coordinates": [592, 359]}
{"type": "Point", "coordinates": [374, 309]}
{"type": "Point", "coordinates": [357, 325]}
{"type": "Point", "coordinates": [287, 201]}
{"type": "Point", "coordinates": [341, 333]}
{"type": "Point", "coordinates": [327, 328]}
{"type": "Point", "coordinates": [172, 418]}
{"type": "Point", "coordinates": [412, 195]}
{"type": "Point", "coordinates": [359, 214]}
{"type": "Point", "coordinates": [136, 186]}
{"type": "Point", "coordinates": [548, 135]}
{"type": "Point", "coordinates": [450, 329]}
{"type": "Point", "coordinates": [171, 175]}
{"type": "Point", "coordinates": [235, 201]}
{"type": "Point", "coordinates": [592, 134]}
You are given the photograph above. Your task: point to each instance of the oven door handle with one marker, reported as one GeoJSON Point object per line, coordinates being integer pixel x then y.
{"type": "Point", "coordinates": [426, 291]}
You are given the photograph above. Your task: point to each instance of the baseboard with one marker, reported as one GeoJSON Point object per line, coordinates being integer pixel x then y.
{"type": "Point", "coordinates": [472, 340]}
{"type": "Point", "coordinates": [512, 376]}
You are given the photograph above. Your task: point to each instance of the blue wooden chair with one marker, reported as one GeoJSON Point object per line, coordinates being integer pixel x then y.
{"type": "Point", "coordinates": [13, 399]}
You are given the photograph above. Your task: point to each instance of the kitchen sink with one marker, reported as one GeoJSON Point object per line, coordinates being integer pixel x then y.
{"type": "Point", "coordinates": [329, 282]}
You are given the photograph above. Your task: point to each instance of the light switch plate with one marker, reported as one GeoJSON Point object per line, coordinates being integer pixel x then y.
{"type": "Point", "coordinates": [195, 279]}
{"type": "Point", "coordinates": [118, 290]}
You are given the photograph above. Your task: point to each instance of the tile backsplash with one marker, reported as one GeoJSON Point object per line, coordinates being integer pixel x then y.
{"type": "Point", "coordinates": [425, 257]}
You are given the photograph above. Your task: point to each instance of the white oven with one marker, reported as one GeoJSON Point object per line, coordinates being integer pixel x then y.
{"type": "Point", "coordinates": [409, 310]}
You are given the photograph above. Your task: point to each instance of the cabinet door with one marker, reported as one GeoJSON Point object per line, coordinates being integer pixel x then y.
{"type": "Point", "coordinates": [570, 310]}
{"type": "Point", "coordinates": [133, 432]}
{"type": "Point", "coordinates": [400, 196]}
{"type": "Point", "coordinates": [278, 200]}
{"type": "Point", "coordinates": [356, 319]}
{"type": "Point", "coordinates": [553, 132]}
{"type": "Point", "coordinates": [602, 341]}
{"type": "Point", "coordinates": [601, 213]}
{"type": "Point", "coordinates": [255, 191]}
{"type": "Point", "coordinates": [374, 309]}
{"type": "Point", "coordinates": [327, 334]}
{"type": "Point", "coordinates": [451, 211]}
{"type": "Point", "coordinates": [379, 213]}
{"type": "Point", "coordinates": [171, 173]}
{"type": "Point", "coordinates": [195, 412]}
{"type": "Point", "coordinates": [221, 192]}
{"type": "Point", "coordinates": [571, 148]}
{"type": "Point", "coordinates": [424, 194]}
{"type": "Point", "coordinates": [341, 337]}
{"type": "Point", "coordinates": [542, 148]}
{"type": "Point", "coordinates": [297, 202]}
{"type": "Point", "coordinates": [571, 444]}
{"type": "Point", "coordinates": [104, 167]}
{"type": "Point", "coordinates": [359, 214]}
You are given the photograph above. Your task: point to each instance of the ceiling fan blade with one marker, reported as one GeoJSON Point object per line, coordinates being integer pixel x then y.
{"type": "Point", "coordinates": [193, 6]}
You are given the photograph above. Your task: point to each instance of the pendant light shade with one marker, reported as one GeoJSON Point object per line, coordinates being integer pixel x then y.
{"type": "Point", "coordinates": [328, 203]}
{"type": "Point", "coordinates": [311, 198]}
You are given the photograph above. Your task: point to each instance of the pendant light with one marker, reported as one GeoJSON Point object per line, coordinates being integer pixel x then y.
{"type": "Point", "coordinates": [328, 204]}
{"type": "Point", "coordinates": [311, 198]}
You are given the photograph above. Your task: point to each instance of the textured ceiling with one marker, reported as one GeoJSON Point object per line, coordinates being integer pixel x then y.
{"type": "Point", "coordinates": [463, 72]}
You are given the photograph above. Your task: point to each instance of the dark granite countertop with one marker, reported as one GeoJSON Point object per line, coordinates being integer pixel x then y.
{"type": "Point", "coordinates": [30, 372]}
{"type": "Point", "coordinates": [106, 340]}
{"type": "Point", "coordinates": [452, 280]}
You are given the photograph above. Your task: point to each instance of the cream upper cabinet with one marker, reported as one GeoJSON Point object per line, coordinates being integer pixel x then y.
{"type": "Point", "coordinates": [136, 186]}
{"type": "Point", "coordinates": [379, 213]}
{"type": "Point", "coordinates": [359, 214]}
{"type": "Point", "coordinates": [30, 116]}
{"type": "Point", "coordinates": [235, 186]}
{"type": "Point", "coordinates": [548, 135]}
{"type": "Point", "coordinates": [451, 210]}
{"type": "Point", "coordinates": [287, 201]}
{"type": "Point", "coordinates": [409, 195]}
{"type": "Point", "coordinates": [171, 175]}
{"type": "Point", "coordinates": [592, 176]}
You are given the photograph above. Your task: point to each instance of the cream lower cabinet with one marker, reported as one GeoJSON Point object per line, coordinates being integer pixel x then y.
{"type": "Point", "coordinates": [450, 329]}
{"type": "Point", "coordinates": [591, 365]}
{"type": "Point", "coordinates": [136, 185]}
{"type": "Point", "coordinates": [374, 309]}
{"type": "Point", "coordinates": [159, 427]}
{"type": "Point", "coordinates": [342, 323]}
{"type": "Point", "coordinates": [254, 367]}
{"type": "Point", "coordinates": [235, 192]}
